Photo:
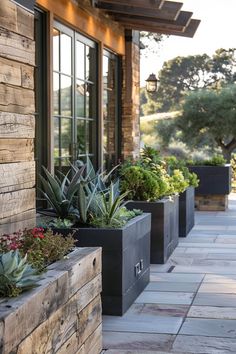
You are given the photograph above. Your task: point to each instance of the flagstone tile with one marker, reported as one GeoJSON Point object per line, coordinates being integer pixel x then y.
{"type": "Point", "coordinates": [226, 313]}
{"type": "Point", "coordinates": [174, 277]}
{"type": "Point", "coordinates": [204, 345]}
{"type": "Point", "coordinates": [224, 300]}
{"type": "Point", "coordinates": [152, 297]}
{"type": "Point", "coordinates": [140, 341]}
{"type": "Point", "coordinates": [204, 269]}
{"type": "Point", "coordinates": [213, 278]}
{"type": "Point", "coordinates": [172, 286]}
{"type": "Point", "coordinates": [209, 327]}
{"type": "Point", "coordinates": [223, 288]}
{"type": "Point", "coordinates": [142, 324]}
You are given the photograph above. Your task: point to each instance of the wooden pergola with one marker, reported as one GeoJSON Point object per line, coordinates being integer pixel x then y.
{"type": "Point", "coordinates": [158, 16]}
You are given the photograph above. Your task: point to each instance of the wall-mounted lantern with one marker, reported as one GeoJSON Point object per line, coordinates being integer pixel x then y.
{"type": "Point", "coordinates": [152, 83]}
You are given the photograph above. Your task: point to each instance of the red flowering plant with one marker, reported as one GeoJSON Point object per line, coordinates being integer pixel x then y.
{"type": "Point", "coordinates": [42, 247]}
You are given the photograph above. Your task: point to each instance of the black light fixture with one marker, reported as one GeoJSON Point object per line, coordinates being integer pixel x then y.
{"type": "Point", "coordinates": [152, 83]}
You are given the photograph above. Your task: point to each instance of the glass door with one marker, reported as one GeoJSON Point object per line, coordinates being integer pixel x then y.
{"type": "Point", "coordinates": [74, 97]}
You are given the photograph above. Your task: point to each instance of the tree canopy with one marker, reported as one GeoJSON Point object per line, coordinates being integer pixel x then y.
{"type": "Point", "coordinates": [183, 74]}
{"type": "Point", "coordinates": [210, 114]}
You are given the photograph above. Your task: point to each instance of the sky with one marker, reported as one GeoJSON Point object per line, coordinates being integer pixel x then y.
{"type": "Point", "coordinates": [217, 30]}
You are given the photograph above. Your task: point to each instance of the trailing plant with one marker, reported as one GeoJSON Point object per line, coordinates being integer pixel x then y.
{"type": "Point", "coordinates": [42, 247]}
{"type": "Point", "coordinates": [16, 274]}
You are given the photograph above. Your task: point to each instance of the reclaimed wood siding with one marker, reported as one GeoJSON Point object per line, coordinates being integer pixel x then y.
{"type": "Point", "coordinates": [68, 317]}
{"type": "Point", "coordinates": [17, 121]}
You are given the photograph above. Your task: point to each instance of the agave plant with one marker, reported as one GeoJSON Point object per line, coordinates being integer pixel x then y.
{"type": "Point", "coordinates": [16, 274]}
{"type": "Point", "coordinates": [109, 208]}
{"type": "Point", "coordinates": [60, 192]}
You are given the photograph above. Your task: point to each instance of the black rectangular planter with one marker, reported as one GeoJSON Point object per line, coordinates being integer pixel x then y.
{"type": "Point", "coordinates": [165, 226]}
{"type": "Point", "coordinates": [186, 211]}
{"type": "Point", "coordinates": [214, 180]}
{"type": "Point", "coordinates": [125, 261]}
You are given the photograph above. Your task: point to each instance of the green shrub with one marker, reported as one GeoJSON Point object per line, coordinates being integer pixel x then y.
{"type": "Point", "coordinates": [216, 160]}
{"type": "Point", "coordinates": [140, 183]}
{"type": "Point", "coordinates": [174, 164]}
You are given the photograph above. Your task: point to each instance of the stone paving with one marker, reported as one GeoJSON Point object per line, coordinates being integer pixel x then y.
{"type": "Point", "coordinates": [190, 304]}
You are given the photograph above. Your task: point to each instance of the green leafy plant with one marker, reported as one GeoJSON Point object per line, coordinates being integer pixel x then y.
{"type": "Point", "coordinates": [16, 274]}
{"type": "Point", "coordinates": [178, 183]}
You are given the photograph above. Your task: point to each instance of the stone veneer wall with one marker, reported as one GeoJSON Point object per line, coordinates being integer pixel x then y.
{"type": "Point", "coordinates": [17, 107]}
{"type": "Point", "coordinates": [62, 315]}
{"type": "Point", "coordinates": [130, 97]}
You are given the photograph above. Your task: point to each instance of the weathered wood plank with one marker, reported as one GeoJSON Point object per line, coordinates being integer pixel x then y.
{"type": "Point", "coordinates": [25, 220]}
{"type": "Point", "coordinates": [14, 203]}
{"type": "Point", "coordinates": [16, 99]}
{"type": "Point", "coordinates": [16, 150]}
{"type": "Point", "coordinates": [92, 345]}
{"type": "Point", "coordinates": [16, 19]}
{"type": "Point", "coordinates": [14, 46]}
{"type": "Point", "coordinates": [14, 73]}
{"type": "Point", "coordinates": [13, 125]}
{"type": "Point", "coordinates": [62, 325]}
{"type": "Point", "coordinates": [15, 176]}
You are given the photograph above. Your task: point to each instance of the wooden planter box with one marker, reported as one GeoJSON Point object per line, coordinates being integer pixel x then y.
{"type": "Point", "coordinates": [165, 226]}
{"type": "Point", "coordinates": [186, 211]}
{"type": "Point", "coordinates": [62, 315]}
{"type": "Point", "coordinates": [214, 187]}
{"type": "Point", "coordinates": [125, 261]}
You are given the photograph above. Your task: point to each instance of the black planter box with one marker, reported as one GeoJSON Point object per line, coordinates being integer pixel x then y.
{"type": "Point", "coordinates": [214, 180]}
{"type": "Point", "coordinates": [165, 226]}
{"type": "Point", "coordinates": [125, 261]}
{"type": "Point", "coordinates": [186, 211]}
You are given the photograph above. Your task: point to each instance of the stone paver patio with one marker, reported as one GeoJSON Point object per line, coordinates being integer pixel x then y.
{"type": "Point", "coordinates": [190, 304]}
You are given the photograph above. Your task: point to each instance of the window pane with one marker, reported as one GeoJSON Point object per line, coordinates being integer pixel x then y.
{"type": "Point", "coordinates": [90, 101]}
{"type": "Point", "coordinates": [81, 136]}
{"type": "Point", "coordinates": [80, 69]}
{"type": "Point", "coordinates": [56, 138]}
{"type": "Point", "coordinates": [80, 98]}
{"type": "Point", "coordinates": [66, 136]}
{"type": "Point", "coordinates": [65, 54]}
{"type": "Point", "coordinates": [66, 100]}
{"type": "Point", "coordinates": [56, 94]}
{"type": "Point", "coordinates": [56, 35]}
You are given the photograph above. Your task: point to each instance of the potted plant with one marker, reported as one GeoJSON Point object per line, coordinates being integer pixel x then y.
{"type": "Point", "coordinates": [48, 292]}
{"type": "Point", "coordinates": [103, 220]}
{"type": "Point", "coordinates": [152, 190]}
{"type": "Point", "coordinates": [186, 196]}
{"type": "Point", "coordinates": [215, 183]}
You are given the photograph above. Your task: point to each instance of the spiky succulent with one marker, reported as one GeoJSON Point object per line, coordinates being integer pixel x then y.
{"type": "Point", "coordinates": [16, 274]}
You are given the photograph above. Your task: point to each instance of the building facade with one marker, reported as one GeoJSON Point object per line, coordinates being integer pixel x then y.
{"type": "Point", "coordinates": [69, 82]}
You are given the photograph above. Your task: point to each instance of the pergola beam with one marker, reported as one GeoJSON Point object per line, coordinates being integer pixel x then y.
{"type": "Point", "coordinates": [169, 10]}
{"type": "Point", "coordinates": [189, 31]}
{"type": "Point", "coordinates": [180, 24]}
{"type": "Point", "coordinates": [154, 4]}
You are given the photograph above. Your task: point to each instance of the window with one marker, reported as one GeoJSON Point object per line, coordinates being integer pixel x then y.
{"type": "Point", "coordinates": [111, 107]}
{"type": "Point", "coordinates": [74, 97]}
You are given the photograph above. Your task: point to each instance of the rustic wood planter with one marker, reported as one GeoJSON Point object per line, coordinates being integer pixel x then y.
{"type": "Point", "coordinates": [165, 226]}
{"type": "Point", "coordinates": [62, 315]}
{"type": "Point", "coordinates": [186, 211]}
{"type": "Point", "coordinates": [125, 261]}
{"type": "Point", "coordinates": [214, 187]}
